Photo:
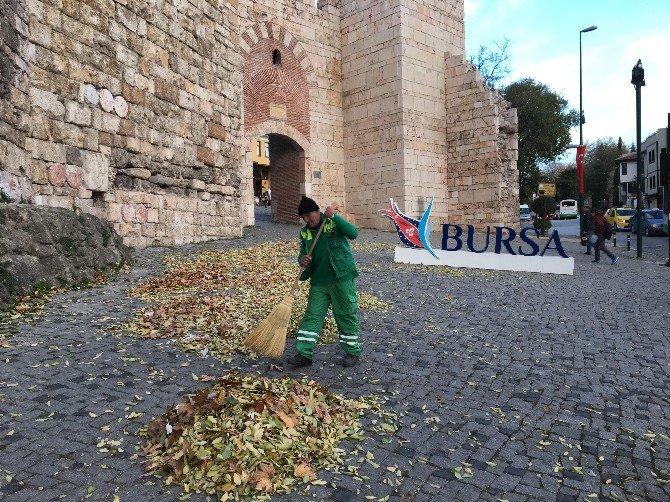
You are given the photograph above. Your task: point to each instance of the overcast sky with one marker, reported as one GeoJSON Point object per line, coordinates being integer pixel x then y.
{"type": "Point", "coordinates": [544, 45]}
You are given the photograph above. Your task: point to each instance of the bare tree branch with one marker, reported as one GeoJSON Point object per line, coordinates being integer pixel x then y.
{"type": "Point", "coordinates": [493, 63]}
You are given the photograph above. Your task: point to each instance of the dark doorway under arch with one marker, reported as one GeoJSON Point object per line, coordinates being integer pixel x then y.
{"type": "Point", "coordinates": [287, 177]}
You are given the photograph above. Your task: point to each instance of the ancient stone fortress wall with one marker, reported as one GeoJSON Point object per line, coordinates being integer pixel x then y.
{"type": "Point", "coordinates": [15, 56]}
{"type": "Point", "coordinates": [399, 95]}
{"type": "Point", "coordinates": [134, 115]}
{"type": "Point", "coordinates": [482, 137]}
{"type": "Point", "coordinates": [142, 112]}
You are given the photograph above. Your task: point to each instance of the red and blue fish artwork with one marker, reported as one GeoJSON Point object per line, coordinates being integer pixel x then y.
{"type": "Point", "coordinates": [412, 233]}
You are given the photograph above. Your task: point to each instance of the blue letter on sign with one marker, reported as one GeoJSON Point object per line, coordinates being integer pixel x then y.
{"type": "Point", "coordinates": [471, 235]}
{"type": "Point", "coordinates": [533, 245]}
{"type": "Point", "coordinates": [559, 246]}
{"type": "Point", "coordinates": [446, 237]}
{"type": "Point", "coordinates": [500, 240]}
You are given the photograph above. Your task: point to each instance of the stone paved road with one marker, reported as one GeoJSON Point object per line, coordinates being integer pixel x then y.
{"type": "Point", "coordinates": [545, 387]}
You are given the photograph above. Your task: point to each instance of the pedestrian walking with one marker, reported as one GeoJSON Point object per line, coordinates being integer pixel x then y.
{"type": "Point", "coordinates": [332, 270]}
{"type": "Point", "coordinates": [602, 229]}
{"type": "Point", "coordinates": [586, 227]}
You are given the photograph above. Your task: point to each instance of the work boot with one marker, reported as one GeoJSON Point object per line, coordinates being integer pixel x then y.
{"type": "Point", "coordinates": [349, 360]}
{"type": "Point", "coordinates": [595, 261]}
{"type": "Point", "coordinates": [298, 361]}
{"type": "Point", "coordinates": [587, 253]}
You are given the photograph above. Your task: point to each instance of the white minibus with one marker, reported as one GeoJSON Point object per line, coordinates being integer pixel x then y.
{"type": "Point", "coordinates": [567, 209]}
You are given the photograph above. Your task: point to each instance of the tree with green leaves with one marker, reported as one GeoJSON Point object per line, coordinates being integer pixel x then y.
{"type": "Point", "coordinates": [544, 129]}
{"type": "Point", "coordinates": [567, 184]}
{"type": "Point", "coordinates": [600, 169]}
{"type": "Point", "coordinates": [543, 207]}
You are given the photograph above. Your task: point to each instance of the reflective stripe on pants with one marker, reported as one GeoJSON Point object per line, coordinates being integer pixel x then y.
{"type": "Point", "coordinates": [344, 301]}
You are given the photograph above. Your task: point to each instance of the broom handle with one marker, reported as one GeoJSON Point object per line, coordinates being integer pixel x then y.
{"type": "Point", "coordinates": [302, 269]}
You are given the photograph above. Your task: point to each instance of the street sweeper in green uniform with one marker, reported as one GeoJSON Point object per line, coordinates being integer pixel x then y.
{"type": "Point", "coordinates": [332, 270]}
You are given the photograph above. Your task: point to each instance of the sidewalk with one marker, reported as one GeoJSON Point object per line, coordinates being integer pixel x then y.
{"type": "Point", "coordinates": [507, 386]}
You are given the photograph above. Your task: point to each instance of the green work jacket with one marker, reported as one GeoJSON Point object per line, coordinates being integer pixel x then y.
{"type": "Point", "coordinates": [337, 231]}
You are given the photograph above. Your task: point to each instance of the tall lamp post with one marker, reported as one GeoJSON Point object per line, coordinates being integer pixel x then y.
{"type": "Point", "coordinates": [638, 81]}
{"type": "Point", "coordinates": [580, 204]}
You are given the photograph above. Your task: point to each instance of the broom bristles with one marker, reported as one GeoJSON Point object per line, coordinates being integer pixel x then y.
{"type": "Point", "coordinates": [269, 337]}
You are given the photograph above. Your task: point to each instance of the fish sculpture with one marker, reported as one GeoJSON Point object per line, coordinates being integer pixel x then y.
{"type": "Point", "coordinates": [412, 233]}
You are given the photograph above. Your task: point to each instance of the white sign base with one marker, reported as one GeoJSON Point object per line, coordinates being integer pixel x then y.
{"type": "Point", "coordinates": [488, 261]}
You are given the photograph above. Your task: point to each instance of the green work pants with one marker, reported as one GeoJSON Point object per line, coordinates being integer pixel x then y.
{"type": "Point", "coordinates": [344, 300]}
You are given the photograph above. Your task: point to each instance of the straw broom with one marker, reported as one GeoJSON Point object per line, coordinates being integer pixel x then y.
{"type": "Point", "coordinates": [269, 337]}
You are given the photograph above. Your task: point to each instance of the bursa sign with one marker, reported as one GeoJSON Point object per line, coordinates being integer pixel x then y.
{"type": "Point", "coordinates": [503, 249]}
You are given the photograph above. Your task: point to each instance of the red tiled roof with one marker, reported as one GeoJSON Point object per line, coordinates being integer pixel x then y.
{"type": "Point", "coordinates": [627, 156]}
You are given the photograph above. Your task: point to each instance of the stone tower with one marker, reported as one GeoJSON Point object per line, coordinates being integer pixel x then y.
{"type": "Point", "coordinates": [418, 121]}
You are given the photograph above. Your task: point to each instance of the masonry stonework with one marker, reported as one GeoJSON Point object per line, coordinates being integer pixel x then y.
{"type": "Point", "coordinates": [142, 113]}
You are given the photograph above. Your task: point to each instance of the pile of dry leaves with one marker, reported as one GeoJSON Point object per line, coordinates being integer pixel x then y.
{"type": "Point", "coordinates": [213, 299]}
{"type": "Point", "coordinates": [253, 436]}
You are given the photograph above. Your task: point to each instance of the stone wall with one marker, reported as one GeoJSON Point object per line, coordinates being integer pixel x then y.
{"type": "Point", "coordinates": [14, 104]}
{"type": "Point", "coordinates": [371, 94]}
{"type": "Point", "coordinates": [482, 176]}
{"type": "Point", "coordinates": [431, 30]}
{"type": "Point", "coordinates": [401, 109]}
{"type": "Point", "coordinates": [135, 116]}
{"type": "Point", "coordinates": [52, 248]}
{"type": "Point", "coordinates": [142, 113]}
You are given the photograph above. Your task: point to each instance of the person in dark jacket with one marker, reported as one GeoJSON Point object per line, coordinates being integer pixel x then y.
{"type": "Point", "coordinates": [332, 270]}
{"type": "Point", "coordinates": [597, 228]}
{"type": "Point", "coordinates": [586, 227]}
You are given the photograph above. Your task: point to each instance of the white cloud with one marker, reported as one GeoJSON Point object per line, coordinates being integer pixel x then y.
{"type": "Point", "coordinates": [608, 95]}
{"type": "Point", "coordinates": [472, 6]}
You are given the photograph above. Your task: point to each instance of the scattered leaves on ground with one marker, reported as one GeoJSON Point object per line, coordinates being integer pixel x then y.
{"type": "Point", "coordinates": [252, 436]}
{"type": "Point", "coordinates": [31, 306]}
{"type": "Point", "coordinates": [211, 301]}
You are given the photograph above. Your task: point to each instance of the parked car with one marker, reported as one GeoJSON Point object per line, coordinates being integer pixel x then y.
{"type": "Point", "coordinates": [619, 217]}
{"type": "Point", "coordinates": [524, 212]}
{"type": "Point", "coordinates": [653, 221]}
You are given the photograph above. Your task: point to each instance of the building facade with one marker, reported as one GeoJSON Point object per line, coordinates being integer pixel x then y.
{"type": "Point", "coordinates": [260, 157]}
{"type": "Point", "coordinates": [655, 165]}
{"type": "Point", "coordinates": [143, 113]}
{"type": "Point", "coordinates": [654, 158]}
{"type": "Point", "coordinates": [627, 165]}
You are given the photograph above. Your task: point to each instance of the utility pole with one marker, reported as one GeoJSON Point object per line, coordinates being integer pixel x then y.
{"type": "Point", "coordinates": [638, 81]}
{"type": "Point", "coordinates": [580, 202]}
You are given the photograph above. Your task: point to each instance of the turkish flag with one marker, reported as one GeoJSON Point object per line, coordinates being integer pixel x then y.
{"type": "Point", "coordinates": [581, 151]}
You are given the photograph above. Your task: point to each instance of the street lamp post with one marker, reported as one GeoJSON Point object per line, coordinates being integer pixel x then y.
{"type": "Point", "coordinates": [580, 203]}
{"type": "Point", "coordinates": [637, 80]}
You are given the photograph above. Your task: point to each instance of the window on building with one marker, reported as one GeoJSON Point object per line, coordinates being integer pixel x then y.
{"type": "Point", "coordinates": [652, 156]}
{"type": "Point", "coordinates": [258, 148]}
{"type": "Point", "coordinates": [624, 169]}
{"type": "Point", "coordinates": [276, 57]}
{"type": "Point", "coordinates": [267, 149]}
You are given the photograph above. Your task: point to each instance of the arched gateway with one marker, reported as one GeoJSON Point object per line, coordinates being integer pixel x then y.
{"type": "Point", "coordinates": [277, 77]}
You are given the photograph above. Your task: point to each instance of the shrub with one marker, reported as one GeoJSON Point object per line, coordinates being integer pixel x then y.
{"type": "Point", "coordinates": [542, 225]}
{"type": "Point", "coordinates": [543, 207]}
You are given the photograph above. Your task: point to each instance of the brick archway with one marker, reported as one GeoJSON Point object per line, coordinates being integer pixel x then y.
{"type": "Point", "coordinates": [260, 32]}
{"type": "Point", "coordinates": [278, 81]}
{"type": "Point", "coordinates": [290, 154]}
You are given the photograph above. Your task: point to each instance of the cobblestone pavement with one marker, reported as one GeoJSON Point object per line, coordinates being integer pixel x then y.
{"type": "Point", "coordinates": [537, 387]}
